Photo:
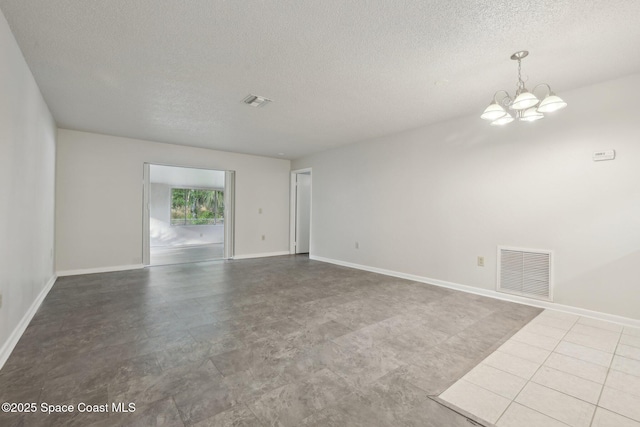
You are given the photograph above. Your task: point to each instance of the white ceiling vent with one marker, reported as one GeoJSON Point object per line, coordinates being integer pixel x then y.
{"type": "Point", "coordinates": [256, 101]}
{"type": "Point", "coordinates": [525, 272]}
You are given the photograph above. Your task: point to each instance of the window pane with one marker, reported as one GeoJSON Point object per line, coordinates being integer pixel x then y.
{"type": "Point", "coordinates": [191, 206]}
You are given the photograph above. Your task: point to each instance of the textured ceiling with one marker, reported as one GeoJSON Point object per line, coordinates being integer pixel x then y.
{"type": "Point", "coordinates": [337, 71]}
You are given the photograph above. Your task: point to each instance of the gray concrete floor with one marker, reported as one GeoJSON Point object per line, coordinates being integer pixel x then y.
{"type": "Point", "coordinates": [160, 255]}
{"type": "Point", "coordinates": [274, 341]}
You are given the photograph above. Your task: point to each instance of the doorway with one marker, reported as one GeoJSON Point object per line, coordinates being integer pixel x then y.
{"type": "Point", "coordinates": [188, 214]}
{"type": "Point", "coordinates": [300, 240]}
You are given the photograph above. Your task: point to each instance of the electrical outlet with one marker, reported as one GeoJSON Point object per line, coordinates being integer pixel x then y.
{"type": "Point", "coordinates": [260, 211]}
{"type": "Point", "coordinates": [264, 237]}
{"type": "Point", "coordinates": [480, 261]}
{"type": "Point", "coordinates": [357, 245]}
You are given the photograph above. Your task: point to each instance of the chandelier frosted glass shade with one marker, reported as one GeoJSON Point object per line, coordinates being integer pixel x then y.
{"type": "Point", "coordinates": [493, 112]}
{"type": "Point", "coordinates": [525, 105]}
{"type": "Point", "coordinates": [507, 118]}
{"type": "Point", "coordinates": [531, 115]}
{"type": "Point", "coordinates": [551, 103]}
{"type": "Point", "coordinates": [524, 101]}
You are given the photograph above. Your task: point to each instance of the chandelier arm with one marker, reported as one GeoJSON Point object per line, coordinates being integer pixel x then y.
{"type": "Point", "coordinates": [542, 84]}
{"type": "Point", "coordinates": [505, 101]}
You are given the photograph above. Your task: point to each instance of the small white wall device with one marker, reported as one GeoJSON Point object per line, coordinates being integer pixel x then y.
{"type": "Point", "coordinates": [598, 156]}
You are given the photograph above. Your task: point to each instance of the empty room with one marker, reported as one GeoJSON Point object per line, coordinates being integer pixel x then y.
{"type": "Point", "coordinates": [303, 213]}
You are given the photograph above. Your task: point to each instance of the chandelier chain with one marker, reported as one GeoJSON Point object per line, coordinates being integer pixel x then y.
{"type": "Point", "coordinates": [520, 82]}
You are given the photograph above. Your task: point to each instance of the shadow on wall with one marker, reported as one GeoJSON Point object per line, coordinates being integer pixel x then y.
{"type": "Point", "coordinates": [162, 234]}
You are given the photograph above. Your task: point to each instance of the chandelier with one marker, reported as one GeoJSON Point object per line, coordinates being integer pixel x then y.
{"type": "Point", "coordinates": [525, 106]}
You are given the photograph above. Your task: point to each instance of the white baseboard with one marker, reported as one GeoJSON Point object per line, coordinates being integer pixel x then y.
{"type": "Point", "coordinates": [635, 323]}
{"type": "Point", "coordinates": [15, 336]}
{"type": "Point", "coordinates": [100, 270]}
{"type": "Point", "coordinates": [261, 255]}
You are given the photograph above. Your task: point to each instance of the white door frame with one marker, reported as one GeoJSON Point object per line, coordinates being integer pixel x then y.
{"type": "Point", "coordinates": [146, 250]}
{"type": "Point", "coordinates": [229, 209]}
{"type": "Point", "coordinates": [292, 210]}
{"type": "Point", "coordinates": [229, 212]}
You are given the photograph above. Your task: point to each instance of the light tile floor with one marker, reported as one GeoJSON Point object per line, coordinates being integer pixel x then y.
{"type": "Point", "coordinates": [559, 370]}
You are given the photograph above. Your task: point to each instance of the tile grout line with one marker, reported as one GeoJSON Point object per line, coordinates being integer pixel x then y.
{"type": "Point", "coordinates": [607, 377]}
{"type": "Point", "coordinates": [541, 365]}
{"type": "Point", "coordinates": [609, 368]}
{"type": "Point", "coordinates": [177, 409]}
{"type": "Point", "coordinates": [490, 391]}
{"type": "Point", "coordinates": [252, 412]}
{"type": "Point", "coordinates": [567, 373]}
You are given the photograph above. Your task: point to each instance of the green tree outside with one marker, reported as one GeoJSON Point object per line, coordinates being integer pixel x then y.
{"type": "Point", "coordinates": [190, 206]}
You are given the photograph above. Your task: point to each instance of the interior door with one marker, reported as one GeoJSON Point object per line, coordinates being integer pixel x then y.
{"type": "Point", "coordinates": [303, 212]}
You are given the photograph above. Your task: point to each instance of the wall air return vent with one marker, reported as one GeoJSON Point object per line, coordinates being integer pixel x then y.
{"type": "Point", "coordinates": [525, 272]}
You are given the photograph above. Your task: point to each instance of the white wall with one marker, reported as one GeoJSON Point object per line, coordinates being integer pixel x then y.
{"type": "Point", "coordinates": [162, 233]}
{"type": "Point", "coordinates": [27, 173]}
{"type": "Point", "coordinates": [99, 198]}
{"type": "Point", "coordinates": [428, 202]}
